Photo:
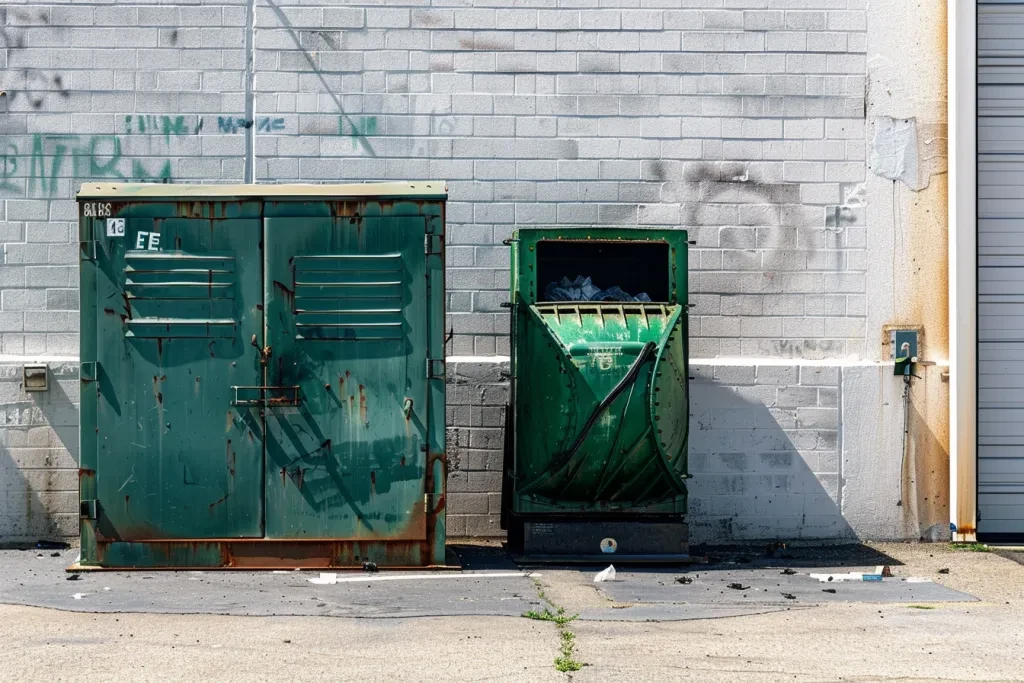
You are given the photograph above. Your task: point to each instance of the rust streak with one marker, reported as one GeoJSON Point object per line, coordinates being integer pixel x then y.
{"type": "Point", "coordinates": [230, 459]}
{"type": "Point", "coordinates": [218, 502]}
{"type": "Point", "coordinates": [288, 294]}
{"type": "Point", "coordinates": [362, 404]}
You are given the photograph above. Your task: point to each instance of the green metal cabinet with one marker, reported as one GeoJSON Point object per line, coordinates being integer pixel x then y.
{"type": "Point", "coordinates": [597, 427]}
{"type": "Point", "coordinates": [263, 375]}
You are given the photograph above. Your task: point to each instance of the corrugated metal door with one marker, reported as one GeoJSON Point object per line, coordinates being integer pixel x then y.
{"type": "Point", "coordinates": [177, 301]}
{"type": "Point", "coordinates": [346, 437]}
{"type": "Point", "coordinates": [1000, 269]}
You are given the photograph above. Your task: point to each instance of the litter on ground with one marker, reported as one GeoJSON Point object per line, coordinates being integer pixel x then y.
{"type": "Point", "coordinates": [850, 576]}
{"type": "Point", "coordinates": [325, 579]}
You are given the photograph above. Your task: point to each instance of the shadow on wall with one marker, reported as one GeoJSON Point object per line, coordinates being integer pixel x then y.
{"type": "Point", "coordinates": [39, 457]}
{"type": "Point", "coordinates": [925, 471]}
{"type": "Point", "coordinates": [761, 473]}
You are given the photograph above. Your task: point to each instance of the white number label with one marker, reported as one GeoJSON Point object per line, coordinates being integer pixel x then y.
{"type": "Point", "coordinates": [115, 227]}
{"type": "Point", "coordinates": [149, 241]}
{"type": "Point", "coordinates": [96, 210]}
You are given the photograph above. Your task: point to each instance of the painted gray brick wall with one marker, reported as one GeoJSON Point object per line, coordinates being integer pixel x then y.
{"type": "Point", "coordinates": [764, 453]}
{"type": "Point", "coordinates": [39, 463]}
{"type": "Point", "coordinates": [742, 121]}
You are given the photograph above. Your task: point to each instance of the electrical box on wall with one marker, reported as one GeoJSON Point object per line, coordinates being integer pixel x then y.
{"type": "Point", "coordinates": [275, 395]}
{"type": "Point", "coordinates": [34, 377]}
{"type": "Point", "coordinates": [904, 350]}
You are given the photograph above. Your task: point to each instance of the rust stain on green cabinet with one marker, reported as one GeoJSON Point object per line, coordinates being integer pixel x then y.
{"type": "Point", "coordinates": [259, 376]}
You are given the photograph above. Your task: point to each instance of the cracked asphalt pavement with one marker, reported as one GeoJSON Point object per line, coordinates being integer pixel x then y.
{"type": "Point", "coordinates": [410, 626]}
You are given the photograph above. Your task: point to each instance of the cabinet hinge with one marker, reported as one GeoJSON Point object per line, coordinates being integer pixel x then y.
{"type": "Point", "coordinates": [435, 368]}
{"type": "Point", "coordinates": [433, 244]}
{"type": "Point", "coordinates": [88, 249]}
{"type": "Point", "coordinates": [88, 370]}
{"type": "Point", "coordinates": [89, 509]}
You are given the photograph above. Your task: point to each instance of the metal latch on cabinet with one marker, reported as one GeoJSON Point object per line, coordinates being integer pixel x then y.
{"type": "Point", "coordinates": [435, 368]}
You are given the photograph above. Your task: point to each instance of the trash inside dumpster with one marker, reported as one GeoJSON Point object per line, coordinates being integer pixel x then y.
{"type": "Point", "coordinates": [262, 375]}
{"type": "Point", "coordinates": [596, 429]}
{"type": "Point", "coordinates": [583, 289]}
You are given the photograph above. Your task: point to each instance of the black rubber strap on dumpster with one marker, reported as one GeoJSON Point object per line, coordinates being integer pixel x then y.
{"type": "Point", "coordinates": [628, 379]}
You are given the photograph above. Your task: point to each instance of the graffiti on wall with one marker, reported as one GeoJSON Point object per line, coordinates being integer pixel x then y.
{"type": "Point", "coordinates": [31, 83]}
{"type": "Point", "coordinates": [264, 124]}
{"type": "Point", "coordinates": [34, 166]}
{"type": "Point", "coordinates": [169, 125]}
{"type": "Point", "coordinates": [55, 157]}
{"type": "Point", "coordinates": [166, 125]}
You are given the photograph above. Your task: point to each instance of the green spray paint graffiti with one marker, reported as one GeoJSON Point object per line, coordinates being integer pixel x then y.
{"type": "Point", "coordinates": [57, 157]}
{"type": "Point", "coordinates": [151, 124]}
{"type": "Point", "coordinates": [37, 167]}
{"type": "Point", "coordinates": [9, 168]}
{"type": "Point", "coordinates": [357, 128]}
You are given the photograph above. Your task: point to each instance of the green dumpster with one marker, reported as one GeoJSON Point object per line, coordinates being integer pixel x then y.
{"type": "Point", "coordinates": [262, 375]}
{"type": "Point", "coordinates": [596, 430]}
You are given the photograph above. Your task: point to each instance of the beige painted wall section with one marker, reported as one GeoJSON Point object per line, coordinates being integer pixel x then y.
{"type": "Point", "coordinates": [903, 491]}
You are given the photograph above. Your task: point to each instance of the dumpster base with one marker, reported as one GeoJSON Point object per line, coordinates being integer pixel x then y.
{"type": "Point", "coordinates": [554, 539]}
{"type": "Point", "coordinates": [260, 554]}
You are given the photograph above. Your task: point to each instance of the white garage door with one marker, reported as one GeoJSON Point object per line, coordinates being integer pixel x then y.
{"type": "Point", "coordinates": [1000, 270]}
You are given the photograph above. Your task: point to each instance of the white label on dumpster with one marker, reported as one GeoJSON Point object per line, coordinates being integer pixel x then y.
{"type": "Point", "coordinates": [115, 227]}
{"type": "Point", "coordinates": [609, 546]}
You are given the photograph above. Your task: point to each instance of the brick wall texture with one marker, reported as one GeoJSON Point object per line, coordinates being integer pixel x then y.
{"type": "Point", "coordinates": [742, 121]}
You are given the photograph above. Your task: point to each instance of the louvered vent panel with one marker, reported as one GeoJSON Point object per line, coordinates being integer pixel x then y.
{"type": "Point", "coordinates": [180, 295]}
{"type": "Point", "coordinates": [349, 297]}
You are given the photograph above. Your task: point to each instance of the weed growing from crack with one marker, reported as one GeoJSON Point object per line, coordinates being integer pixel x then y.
{"type": "Point", "coordinates": [566, 660]}
{"type": "Point", "coordinates": [971, 547]}
{"type": "Point", "coordinates": [558, 617]}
